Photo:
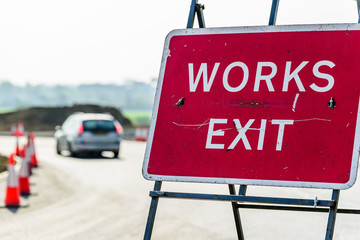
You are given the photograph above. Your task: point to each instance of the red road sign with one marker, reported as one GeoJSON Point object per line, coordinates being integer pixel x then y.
{"type": "Point", "coordinates": [275, 105]}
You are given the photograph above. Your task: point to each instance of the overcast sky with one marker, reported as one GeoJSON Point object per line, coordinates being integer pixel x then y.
{"type": "Point", "coordinates": [111, 41]}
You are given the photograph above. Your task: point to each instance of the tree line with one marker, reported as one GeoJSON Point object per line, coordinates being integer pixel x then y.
{"type": "Point", "coordinates": [132, 95]}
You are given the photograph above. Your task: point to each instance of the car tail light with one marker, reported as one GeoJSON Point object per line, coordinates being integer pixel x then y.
{"type": "Point", "coordinates": [119, 128]}
{"type": "Point", "coordinates": [81, 129]}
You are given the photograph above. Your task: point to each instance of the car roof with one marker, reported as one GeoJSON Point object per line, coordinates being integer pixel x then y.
{"type": "Point", "coordinates": [93, 116]}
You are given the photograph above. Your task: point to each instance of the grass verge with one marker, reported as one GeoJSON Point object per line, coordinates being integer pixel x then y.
{"type": "Point", "coordinates": [3, 163]}
{"type": "Point", "coordinates": [138, 117]}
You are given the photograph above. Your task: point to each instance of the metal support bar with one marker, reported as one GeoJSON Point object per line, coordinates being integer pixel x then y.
{"type": "Point", "coordinates": [242, 190]}
{"type": "Point", "coordinates": [273, 13]}
{"type": "Point", "coordinates": [191, 17]}
{"type": "Point", "coordinates": [152, 212]}
{"type": "Point", "coordinates": [200, 14]}
{"type": "Point", "coordinates": [196, 8]}
{"type": "Point", "coordinates": [293, 208]}
{"type": "Point", "coordinates": [237, 198]}
{"type": "Point", "coordinates": [332, 215]}
{"type": "Point", "coordinates": [358, 7]}
{"type": "Point", "coordinates": [236, 213]}
{"type": "Point", "coordinates": [284, 208]}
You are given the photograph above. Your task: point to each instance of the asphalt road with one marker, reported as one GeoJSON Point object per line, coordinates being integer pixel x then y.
{"type": "Point", "coordinates": [106, 198]}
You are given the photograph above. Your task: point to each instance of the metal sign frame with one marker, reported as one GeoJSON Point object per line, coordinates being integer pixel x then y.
{"type": "Point", "coordinates": [240, 200]}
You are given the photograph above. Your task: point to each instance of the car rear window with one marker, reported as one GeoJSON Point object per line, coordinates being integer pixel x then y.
{"type": "Point", "coordinates": [99, 126]}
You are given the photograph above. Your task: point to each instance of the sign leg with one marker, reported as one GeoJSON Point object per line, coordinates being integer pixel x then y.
{"type": "Point", "coordinates": [200, 14]}
{"type": "Point", "coordinates": [273, 13]}
{"type": "Point", "coordinates": [192, 12]}
{"type": "Point", "coordinates": [152, 212]}
{"type": "Point", "coordinates": [236, 211]}
{"type": "Point", "coordinates": [358, 6]}
{"type": "Point", "coordinates": [196, 9]}
{"type": "Point", "coordinates": [332, 215]}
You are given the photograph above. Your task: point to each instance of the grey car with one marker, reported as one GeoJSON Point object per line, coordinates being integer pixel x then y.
{"type": "Point", "coordinates": [89, 133]}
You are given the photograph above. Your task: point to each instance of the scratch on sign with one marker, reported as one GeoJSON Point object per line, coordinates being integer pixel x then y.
{"type": "Point", "coordinates": [313, 119]}
{"type": "Point", "coordinates": [295, 101]}
{"type": "Point", "coordinates": [193, 125]}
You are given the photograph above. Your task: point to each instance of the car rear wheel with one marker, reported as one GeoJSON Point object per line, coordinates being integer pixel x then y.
{"type": "Point", "coordinates": [58, 150]}
{"type": "Point", "coordinates": [71, 151]}
{"type": "Point", "coordinates": [116, 154]}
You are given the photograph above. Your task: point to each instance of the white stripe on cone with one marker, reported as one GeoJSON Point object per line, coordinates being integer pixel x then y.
{"type": "Point", "coordinates": [12, 180]}
{"type": "Point", "coordinates": [21, 128]}
{"type": "Point", "coordinates": [13, 129]}
{"type": "Point", "coordinates": [28, 154]}
{"type": "Point", "coordinates": [24, 169]}
{"type": "Point", "coordinates": [31, 145]}
{"type": "Point", "coordinates": [33, 153]}
{"type": "Point", "coordinates": [28, 158]}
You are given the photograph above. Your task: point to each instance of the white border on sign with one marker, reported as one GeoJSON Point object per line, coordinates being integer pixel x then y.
{"type": "Point", "coordinates": [252, 29]}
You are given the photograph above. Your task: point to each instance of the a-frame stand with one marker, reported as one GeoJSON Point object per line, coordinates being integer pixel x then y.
{"type": "Point", "coordinates": [240, 200]}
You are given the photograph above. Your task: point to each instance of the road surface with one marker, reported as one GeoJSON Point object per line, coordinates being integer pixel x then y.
{"type": "Point", "coordinates": [106, 198]}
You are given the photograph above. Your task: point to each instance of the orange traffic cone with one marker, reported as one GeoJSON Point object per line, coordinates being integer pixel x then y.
{"type": "Point", "coordinates": [17, 150]}
{"type": "Point", "coordinates": [141, 133]}
{"type": "Point", "coordinates": [13, 129]}
{"type": "Point", "coordinates": [34, 162]}
{"type": "Point", "coordinates": [12, 198]}
{"type": "Point", "coordinates": [22, 151]}
{"type": "Point", "coordinates": [24, 184]}
{"type": "Point", "coordinates": [20, 129]}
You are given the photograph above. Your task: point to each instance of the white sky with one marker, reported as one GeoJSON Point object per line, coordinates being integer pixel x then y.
{"type": "Point", "coordinates": [109, 41]}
